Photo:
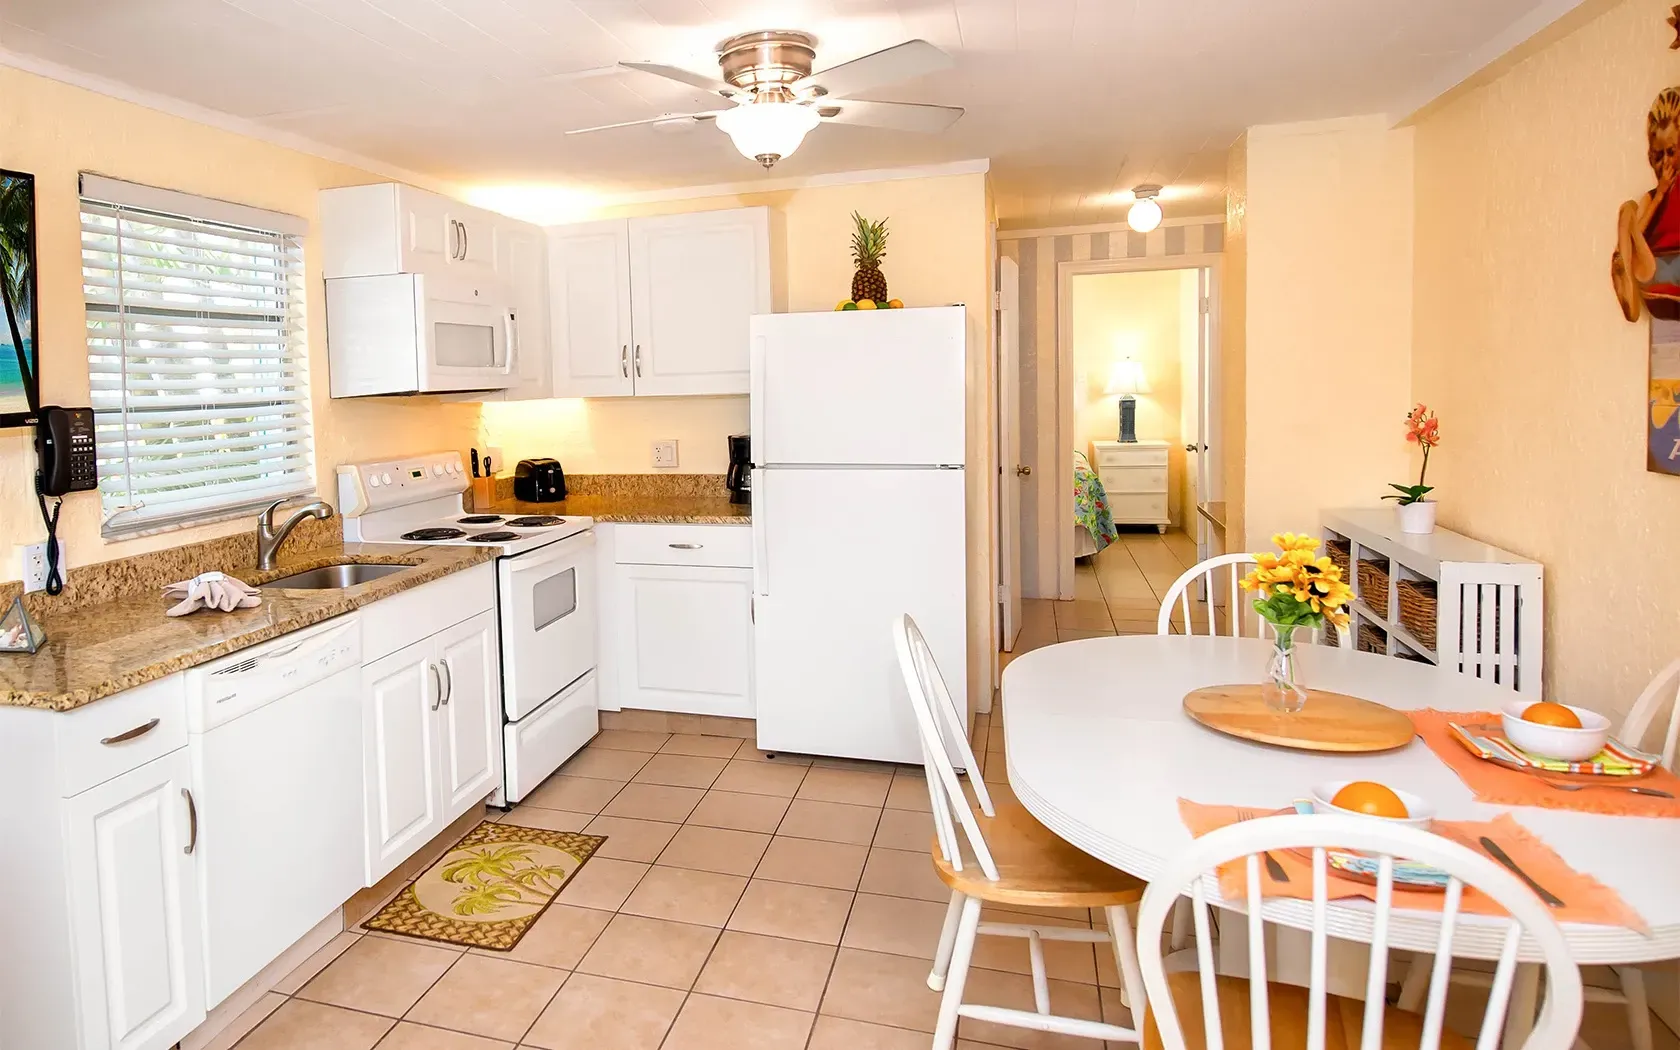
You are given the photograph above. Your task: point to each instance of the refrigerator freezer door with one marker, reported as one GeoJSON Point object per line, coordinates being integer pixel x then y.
{"type": "Point", "coordinates": [830, 581]}
{"type": "Point", "coordinates": [872, 387]}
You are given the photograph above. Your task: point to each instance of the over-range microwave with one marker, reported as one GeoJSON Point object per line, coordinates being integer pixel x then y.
{"type": "Point", "coordinates": [411, 333]}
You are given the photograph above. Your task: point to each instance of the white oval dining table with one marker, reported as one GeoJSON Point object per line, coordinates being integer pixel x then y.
{"type": "Point", "coordinates": [1099, 749]}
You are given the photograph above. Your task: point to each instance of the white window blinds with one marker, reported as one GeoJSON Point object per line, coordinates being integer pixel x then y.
{"type": "Point", "coordinates": [196, 355]}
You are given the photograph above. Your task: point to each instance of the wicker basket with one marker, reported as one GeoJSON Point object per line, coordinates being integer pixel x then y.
{"type": "Point", "coordinates": [1327, 636]}
{"type": "Point", "coordinates": [1340, 553]}
{"type": "Point", "coordinates": [1418, 609]}
{"type": "Point", "coordinates": [1372, 639]}
{"type": "Point", "coordinates": [1373, 584]}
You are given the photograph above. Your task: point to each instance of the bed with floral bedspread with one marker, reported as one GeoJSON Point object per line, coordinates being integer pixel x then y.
{"type": "Point", "coordinates": [1093, 524]}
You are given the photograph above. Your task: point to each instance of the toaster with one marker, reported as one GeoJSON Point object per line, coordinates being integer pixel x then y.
{"type": "Point", "coordinates": [539, 481]}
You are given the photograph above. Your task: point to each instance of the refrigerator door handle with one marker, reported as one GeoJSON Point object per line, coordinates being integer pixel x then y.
{"type": "Point", "coordinates": [755, 401]}
{"type": "Point", "coordinates": [761, 545]}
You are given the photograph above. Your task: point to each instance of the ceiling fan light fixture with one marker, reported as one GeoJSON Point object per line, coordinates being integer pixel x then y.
{"type": "Point", "coordinates": [1145, 214]}
{"type": "Point", "coordinates": [768, 131]}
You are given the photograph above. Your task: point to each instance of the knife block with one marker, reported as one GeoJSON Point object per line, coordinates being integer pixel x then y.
{"type": "Point", "coordinates": [483, 493]}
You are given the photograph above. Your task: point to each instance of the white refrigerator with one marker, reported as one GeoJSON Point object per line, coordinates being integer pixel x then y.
{"type": "Point", "coordinates": [858, 438]}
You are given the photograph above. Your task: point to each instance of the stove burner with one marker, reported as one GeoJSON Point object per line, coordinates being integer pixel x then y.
{"type": "Point", "coordinates": [479, 519]}
{"type": "Point", "coordinates": [500, 536]}
{"type": "Point", "coordinates": [536, 521]}
{"type": "Point", "coordinates": [432, 535]}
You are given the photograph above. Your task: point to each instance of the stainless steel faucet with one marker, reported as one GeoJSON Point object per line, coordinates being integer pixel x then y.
{"type": "Point", "coordinates": [270, 538]}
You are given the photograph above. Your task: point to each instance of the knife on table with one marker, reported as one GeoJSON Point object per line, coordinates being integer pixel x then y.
{"type": "Point", "coordinates": [1504, 858]}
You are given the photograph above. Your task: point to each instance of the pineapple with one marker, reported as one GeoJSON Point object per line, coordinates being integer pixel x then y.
{"type": "Point", "coordinates": [869, 247]}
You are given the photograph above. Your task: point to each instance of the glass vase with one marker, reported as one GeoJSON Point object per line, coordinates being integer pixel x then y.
{"type": "Point", "coordinates": [1281, 686]}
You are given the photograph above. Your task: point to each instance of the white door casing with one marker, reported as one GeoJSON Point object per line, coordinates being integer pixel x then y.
{"type": "Point", "coordinates": [1009, 448]}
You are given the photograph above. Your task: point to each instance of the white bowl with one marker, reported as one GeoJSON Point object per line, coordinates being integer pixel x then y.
{"type": "Point", "coordinates": [1421, 813]}
{"type": "Point", "coordinates": [1567, 745]}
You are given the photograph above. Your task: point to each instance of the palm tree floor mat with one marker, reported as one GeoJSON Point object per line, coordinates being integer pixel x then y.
{"type": "Point", "coordinates": [489, 888]}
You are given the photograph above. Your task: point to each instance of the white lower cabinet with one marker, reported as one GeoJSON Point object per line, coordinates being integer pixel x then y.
{"type": "Point", "coordinates": [431, 732]}
{"type": "Point", "coordinates": [134, 893]}
{"type": "Point", "coordinates": [684, 627]}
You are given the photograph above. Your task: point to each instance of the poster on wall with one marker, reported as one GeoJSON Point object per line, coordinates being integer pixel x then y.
{"type": "Point", "coordinates": [19, 390]}
{"type": "Point", "coordinates": [1662, 444]}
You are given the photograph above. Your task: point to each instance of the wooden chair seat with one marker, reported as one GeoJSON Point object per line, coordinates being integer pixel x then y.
{"type": "Point", "coordinates": [1288, 1005]}
{"type": "Point", "coordinates": [1035, 867]}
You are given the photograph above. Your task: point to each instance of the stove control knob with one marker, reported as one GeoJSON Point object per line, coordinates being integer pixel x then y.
{"type": "Point", "coordinates": [386, 478]}
{"type": "Point", "coordinates": [437, 470]}
{"type": "Point", "coordinates": [373, 481]}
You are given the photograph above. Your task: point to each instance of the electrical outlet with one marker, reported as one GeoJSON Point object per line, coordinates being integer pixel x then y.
{"type": "Point", "coordinates": [665, 453]}
{"type": "Point", "coordinates": [34, 565]}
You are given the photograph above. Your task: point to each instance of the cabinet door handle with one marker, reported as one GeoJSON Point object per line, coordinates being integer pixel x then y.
{"type": "Point", "coordinates": [192, 822]}
{"type": "Point", "coordinates": [454, 239]}
{"type": "Point", "coordinates": [624, 360]}
{"type": "Point", "coordinates": [437, 686]}
{"type": "Point", "coordinates": [448, 681]}
{"type": "Point", "coordinates": [466, 239]}
{"type": "Point", "coordinates": [685, 546]}
{"type": "Point", "coordinates": [638, 360]}
{"type": "Point", "coordinates": [130, 734]}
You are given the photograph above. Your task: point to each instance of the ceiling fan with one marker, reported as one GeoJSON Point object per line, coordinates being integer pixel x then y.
{"type": "Point", "coordinates": [778, 100]}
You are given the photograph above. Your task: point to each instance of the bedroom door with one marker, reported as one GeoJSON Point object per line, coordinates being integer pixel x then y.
{"type": "Point", "coordinates": [1010, 469]}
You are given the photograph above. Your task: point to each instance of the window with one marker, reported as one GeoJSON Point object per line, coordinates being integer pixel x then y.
{"type": "Point", "coordinates": [196, 355]}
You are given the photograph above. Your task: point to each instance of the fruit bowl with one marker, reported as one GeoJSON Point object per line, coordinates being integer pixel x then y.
{"type": "Point", "coordinates": [1420, 814]}
{"type": "Point", "coordinates": [1563, 744]}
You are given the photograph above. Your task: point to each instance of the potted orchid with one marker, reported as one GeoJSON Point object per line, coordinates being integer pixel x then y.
{"type": "Point", "coordinates": [1417, 514]}
{"type": "Point", "coordinates": [1294, 589]}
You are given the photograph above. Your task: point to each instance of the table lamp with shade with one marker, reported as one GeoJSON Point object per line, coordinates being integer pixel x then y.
{"type": "Point", "coordinates": [1126, 378]}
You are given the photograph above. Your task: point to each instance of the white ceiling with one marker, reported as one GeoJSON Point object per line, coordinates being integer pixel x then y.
{"type": "Point", "coordinates": [1073, 101]}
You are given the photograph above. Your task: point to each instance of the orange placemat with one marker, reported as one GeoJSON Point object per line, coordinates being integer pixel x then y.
{"type": "Point", "coordinates": [1585, 899]}
{"type": "Point", "coordinates": [1504, 786]}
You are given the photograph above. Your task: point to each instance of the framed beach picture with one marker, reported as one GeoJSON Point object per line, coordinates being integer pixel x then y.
{"type": "Point", "coordinates": [19, 381]}
{"type": "Point", "coordinates": [1662, 444]}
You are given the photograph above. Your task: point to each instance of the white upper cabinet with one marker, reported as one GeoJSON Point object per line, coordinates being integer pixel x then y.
{"type": "Point", "coordinates": [589, 304]}
{"type": "Point", "coordinates": [658, 306]}
{"type": "Point", "coordinates": [695, 282]}
{"type": "Point", "coordinates": [524, 268]}
{"type": "Point", "coordinates": [386, 228]}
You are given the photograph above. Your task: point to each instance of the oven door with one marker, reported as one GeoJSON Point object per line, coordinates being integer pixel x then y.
{"type": "Point", "coordinates": [467, 337]}
{"type": "Point", "coordinates": [547, 599]}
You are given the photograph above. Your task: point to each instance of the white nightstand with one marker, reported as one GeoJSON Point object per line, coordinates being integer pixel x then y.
{"type": "Point", "coordinates": [1135, 475]}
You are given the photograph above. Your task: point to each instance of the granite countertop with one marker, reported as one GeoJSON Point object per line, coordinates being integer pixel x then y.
{"type": "Point", "coordinates": [97, 650]}
{"type": "Point", "coordinates": [627, 507]}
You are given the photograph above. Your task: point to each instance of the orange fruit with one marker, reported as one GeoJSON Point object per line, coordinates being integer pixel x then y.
{"type": "Point", "coordinates": [1365, 796]}
{"type": "Point", "coordinates": [1547, 713]}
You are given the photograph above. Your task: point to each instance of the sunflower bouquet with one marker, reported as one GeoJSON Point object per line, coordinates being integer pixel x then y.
{"type": "Point", "coordinates": [1293, 588]}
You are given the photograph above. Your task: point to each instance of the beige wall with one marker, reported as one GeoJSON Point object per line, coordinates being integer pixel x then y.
{"type": "Point", "coordinates": [1520, 346]}
{"type": "Point", "coordinates": [1325, 315]}
{"type": "Point", "coordinates": [55, 131]}
{"type": "Point", "coordinates": [1139, 315]}
{"type": "Point", "coordinates": [1233, 352]}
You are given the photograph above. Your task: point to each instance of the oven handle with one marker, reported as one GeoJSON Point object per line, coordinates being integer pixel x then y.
{"type": "Point", "coordinates": [569, 550]}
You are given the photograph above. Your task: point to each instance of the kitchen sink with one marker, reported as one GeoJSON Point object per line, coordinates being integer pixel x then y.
{"type": "Point", "coordinates": [332, 577]}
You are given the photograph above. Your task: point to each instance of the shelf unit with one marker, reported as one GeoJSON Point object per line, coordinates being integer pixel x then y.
{"type": "Point", "coordinates": [1489, 602]}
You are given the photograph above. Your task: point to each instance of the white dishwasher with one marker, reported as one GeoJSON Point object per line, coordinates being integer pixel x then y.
{"type": "Point", "coordinates": [275, 735]}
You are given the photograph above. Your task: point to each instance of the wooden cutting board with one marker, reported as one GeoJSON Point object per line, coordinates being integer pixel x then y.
{"type": "Point", "coordinates": [1328, 722]}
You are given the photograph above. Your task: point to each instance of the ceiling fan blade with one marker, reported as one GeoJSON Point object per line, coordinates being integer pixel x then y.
{"type": "Point", "coordinates": [901, 116]}
{"type": "Point", "coordinates": [665, 119]}
{"type": "Point", "coordinates": [913, 58]}
{"type": "Point", "coordinates": [683, 76]}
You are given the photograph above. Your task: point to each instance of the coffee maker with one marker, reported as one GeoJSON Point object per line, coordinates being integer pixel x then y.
{"type": "Point", "coordinates": [739, 478]}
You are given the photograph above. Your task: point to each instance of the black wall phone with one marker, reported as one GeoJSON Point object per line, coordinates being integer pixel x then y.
{"type": "Point", "coordinates": [64, 446]}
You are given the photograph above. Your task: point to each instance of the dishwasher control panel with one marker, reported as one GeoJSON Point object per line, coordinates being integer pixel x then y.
{"type": "Point", "coordinates": [234, 685]}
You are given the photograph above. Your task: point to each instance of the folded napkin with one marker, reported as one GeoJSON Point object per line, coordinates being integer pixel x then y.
{"type": "Point", "coordinates": [211, 590]}
{"type": "Point", "coordinates": [1616, 760]}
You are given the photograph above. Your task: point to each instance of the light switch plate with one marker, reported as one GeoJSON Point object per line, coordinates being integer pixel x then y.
{"type": "Point", "coordinates": [665, 453]}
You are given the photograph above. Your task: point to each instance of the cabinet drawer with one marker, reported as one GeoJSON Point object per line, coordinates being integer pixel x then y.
{"type": "Point", "coordinates": [1137, 509]}
{"type": "Point", "coordinates": [109, 737]}
{"type": "Point", "coordinates": [728, 546]}
{"type": "Point", "coordinates": [1134, 479]}
{"type": "Point", "coordinates": [1119, 455]}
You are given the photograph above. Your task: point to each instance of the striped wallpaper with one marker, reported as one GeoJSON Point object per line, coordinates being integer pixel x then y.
{"type": "Point", "coordinates": [1037, 256]}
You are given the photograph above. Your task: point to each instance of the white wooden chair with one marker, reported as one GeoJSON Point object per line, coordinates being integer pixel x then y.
{"type": "Point", "coordinates": [1003, 856]}
{"type": "Point", "coordinates": [1232, 567]}
{"type": "Point", "coordinates": [1663, 692]}
{"type": "Point", "coordinates": [1204, 1011]}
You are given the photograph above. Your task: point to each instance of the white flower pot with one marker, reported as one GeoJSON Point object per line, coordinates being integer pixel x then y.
{"type": "Point", "coordinates": [1418, 518]}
